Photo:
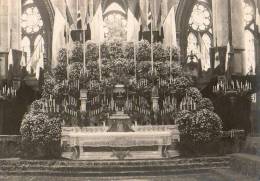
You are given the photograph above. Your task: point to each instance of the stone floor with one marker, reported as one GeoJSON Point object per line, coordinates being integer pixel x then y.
{"type": "Point", "coordinates": [228, 176]}
{"type": "Point", "coordinates": [202, 177]}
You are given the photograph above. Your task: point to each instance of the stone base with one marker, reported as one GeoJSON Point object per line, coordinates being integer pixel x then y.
{"type": "Point", "coordinates": [252, 145]}
{"type": "Point", "coordinates": [115, 168]}
{"type": "Point", "coordinates": [10, 146]}
{"type": "Point", "coordinates": [116, 154]}
{"type": "Point", "coordinates": [120, 122]}
{"type": "Point", "coordinates": [246, 164]}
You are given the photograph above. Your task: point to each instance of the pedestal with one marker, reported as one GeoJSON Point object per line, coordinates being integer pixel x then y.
{"type": "Point", "coordinates": [83, 99]}
{"type": "Point", "coordinates": [83, 105]}
{"type": "Point", "coordinates": [155, 101]}
{"type": "Point", "coordinates": [1, 116]}
{"type": "Point", "coordinates": [120, 122]}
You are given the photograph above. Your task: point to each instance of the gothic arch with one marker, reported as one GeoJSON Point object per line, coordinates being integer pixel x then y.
{"type": "Point", "coordinates": [183, 14]}
{"type": "Point", "coordinates": [122, 3]}
{"type": "Point", "coordinates": [47, 13]}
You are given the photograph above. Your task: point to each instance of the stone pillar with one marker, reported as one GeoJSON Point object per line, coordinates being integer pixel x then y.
{"type": "Point", "coordinates": [221, 30]}
{"type": "Point", "coordinates": [155, 103]}
{"type": "Point", "coordinates": [83, 99]}
{"type": "Point", "coordinates": [4, 33]}
{"type": "Point", "coordinates": [10, 29]}
{"type": "Point", "coordinates": [257, 48]}
{"type": "Point", "coordinates": [1, 116]}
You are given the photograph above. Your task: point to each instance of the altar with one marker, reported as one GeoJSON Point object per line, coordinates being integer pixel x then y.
{"type": "Point", "coordinates": [95, 143]}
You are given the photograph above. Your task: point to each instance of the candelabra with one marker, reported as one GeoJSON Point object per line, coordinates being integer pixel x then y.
{"type": "Point", "coordinates": [232, 87]}
{"type": "Point", "coordinates": [188, 103]}
{"type": "Point", "coordinates": [7, 92]}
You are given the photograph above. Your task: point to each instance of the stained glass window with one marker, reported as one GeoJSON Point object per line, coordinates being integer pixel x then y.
{"type": "Point", "coordinates": [199, 39]}
{"type": "Point", "coordinates": [115, 27]}
{"type": "Point", "coordinates": [26, 46]}
{"type": "Point", "coordinates": [31, 20]}
{"type": "Point", "coordinates": [39, 42]}
{"type": "Point", "coordinates": [248, 12]}
{"type": "Point", "coordinates": [249, 53]}
{"type": "Point", "coordinates": [200, 18]}
{"type": "Point", "coordinates": [192, 45]}
{"type": "Point", "coordinates": [32, 31]}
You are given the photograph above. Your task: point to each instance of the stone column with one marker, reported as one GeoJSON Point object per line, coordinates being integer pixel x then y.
{"type": "Point", "coordinates": [220, 13]}
{"type": "Point", "coordinates": [1, 116]}
{"type": "Point", "coordinates": [4, 35]}
{"type": "Point", "coordinates": [83, 99]}
{"type": "Point", "coordinates": [257, 47]}
{"type": "Point", "coordinates": [155, 102]}
{"type": "Point", "coordinates": [10, 29]}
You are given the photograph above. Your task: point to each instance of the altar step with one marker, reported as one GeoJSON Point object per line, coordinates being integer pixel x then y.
{"type": "Point", "coordinates": [246, 164]}
{"type": "Point", "coordinates": [113, 168]}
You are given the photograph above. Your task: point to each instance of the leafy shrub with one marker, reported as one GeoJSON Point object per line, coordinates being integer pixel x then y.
{"type": "Point", "coordinates": [207, 126]}
{"type": "Point", "coordinates": [205, 103]}
{"type": "Point", "coordinates": [180, 84]}
{"type": "Point", "coordinates": [198, 132]}
{"type": "Point", "coordinates": [194, 93]}
{"type": "Point", "coordinates": [41, 134]}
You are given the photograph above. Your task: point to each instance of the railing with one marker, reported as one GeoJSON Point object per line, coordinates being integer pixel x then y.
{"type": "Point", "coordinates": [234, 133]}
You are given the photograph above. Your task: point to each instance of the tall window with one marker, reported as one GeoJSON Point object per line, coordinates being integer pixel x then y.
{"type": "Point", "coordinates": [26, 46]}
{"type": "Point", "coordinates": [32, 31]}
{"type": "Point", "coordinates": [199, 38]}
{"type": "Point", "coordinates": [249, 24]}
{"type": "Point", "coordinates": [115, 23]}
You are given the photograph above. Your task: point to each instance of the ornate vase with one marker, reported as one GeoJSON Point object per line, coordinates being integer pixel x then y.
{"type": "Point", "coordinates": [120, 122]}
{"type": "Point", "coordinates": [119, 94]}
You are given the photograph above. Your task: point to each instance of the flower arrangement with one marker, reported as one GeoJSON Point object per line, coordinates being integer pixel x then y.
{"type": "Point", "coordinates": [180, 85]}
{"type": "Point", "coordinates": [206, 126]}
{"type": "Point", "coordinates": [118, 67]}
{"type": "Point", "coordinates": [197, 131]}
{"type": "Point", "coordinates": [40, 133]}
{"type": "Point", "coordinates": [194, 93]}
{"type": "Point", "coordinates": [205, 103]}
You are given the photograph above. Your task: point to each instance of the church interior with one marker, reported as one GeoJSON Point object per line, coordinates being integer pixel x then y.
{"type": "Point", "coordinates": [130, 77]}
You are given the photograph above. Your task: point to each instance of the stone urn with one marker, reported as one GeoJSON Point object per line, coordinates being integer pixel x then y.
{"type": "Point", "coordinates": [119, 95]}
{"type": "Point", "coordinates": [120, 122]}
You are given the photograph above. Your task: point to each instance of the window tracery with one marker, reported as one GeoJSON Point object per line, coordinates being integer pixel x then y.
{"type": "Point", "coordinates": [115, 23]}
{"type": "Point", "coordinates": [249, 39]}
{"type": "Point", "coordinates": [200, 19]}
{"type": "Point", "coordinates": [115, 26]}
{"type": "Point", "coordinates": [33, 31]}
{"type": "Point", "coordinates": [199, 39]}
{"type": "Point", "coordinates": [26, 47]}
{"type": "Point", "coordinates": [31, 20]}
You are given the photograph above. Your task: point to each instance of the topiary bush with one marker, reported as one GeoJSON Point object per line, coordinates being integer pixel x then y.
{"type": "Point", "coordinates": [205, 103]}
{"type": "Point", "coordinates": [200, 132]}
{"type": "Point", "coordinates": [206, 126]}
{"type": "Point", "coordinates": [40, 133]}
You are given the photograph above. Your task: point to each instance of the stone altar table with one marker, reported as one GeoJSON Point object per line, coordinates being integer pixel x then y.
{"type": "Point", "coordinates": [95, 143]}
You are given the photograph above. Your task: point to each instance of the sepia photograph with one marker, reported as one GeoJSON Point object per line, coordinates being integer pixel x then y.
{"type": "Point", "coordinates": [129, 90]}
